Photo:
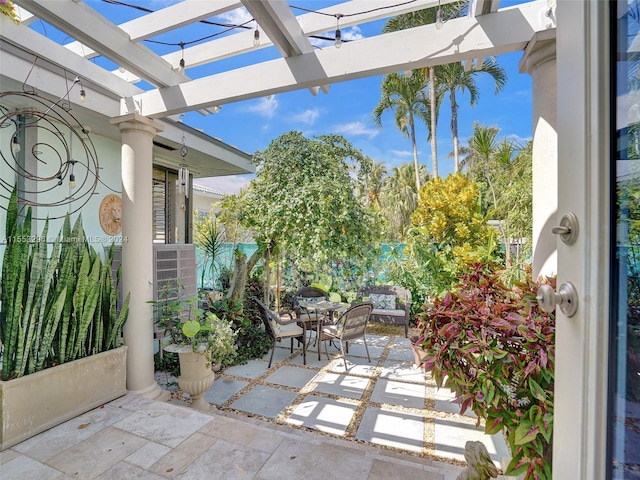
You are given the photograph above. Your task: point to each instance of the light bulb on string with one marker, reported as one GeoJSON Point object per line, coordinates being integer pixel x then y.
{"type": "Point", "coordinates": [181, 64]}
{"type": "Point", "coordinates": [72, 177]}
{"type": "Point", "coordinates": [439, 20]}
{"type": "Point", "coordinates": [83, 95]}
{"type": "Point", "coordinates": [338, 36]}
{"type": "Point", "coordinates": [15, 144]}
{"type": "Point", "coordinates": [256, 38]}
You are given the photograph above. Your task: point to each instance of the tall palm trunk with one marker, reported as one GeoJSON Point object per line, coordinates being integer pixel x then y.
{"type": "Point", "coordinates": [454, 130]}
{"type": "Point", "coordinates": [412, 132]}
{"type": "Point", "coordinates": [434, 145]}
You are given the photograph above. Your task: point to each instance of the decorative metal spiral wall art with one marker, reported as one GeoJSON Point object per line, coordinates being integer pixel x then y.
{"type": "Point", "coordinates": [61, 166]}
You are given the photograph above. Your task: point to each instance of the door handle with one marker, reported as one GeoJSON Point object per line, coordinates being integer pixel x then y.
{"type": "Point", "coordinates": [566, 298]}
{"type": "Point", "coordinates": [568, 228]}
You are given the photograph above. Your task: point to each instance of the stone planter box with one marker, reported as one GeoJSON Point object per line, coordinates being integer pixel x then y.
{"type": "Point", "coordinates": [34, 403]}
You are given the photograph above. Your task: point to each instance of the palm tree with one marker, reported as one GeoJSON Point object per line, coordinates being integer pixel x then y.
{"type": "Point", "coordinates": [454, 77]}
{"type": "Point", "coordinates": [399, 198]}
{"type": "Point", "coordinates": [483, 157]}
{"type": "Point", "coordinates": [373, 183]}
{"type": "Point", "coordinates": [416, 19]}
{"type": "Point", "coordinates": [405, 96]}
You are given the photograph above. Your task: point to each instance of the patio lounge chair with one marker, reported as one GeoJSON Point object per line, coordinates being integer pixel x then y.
{"type": "Point", "coordinates": [351, 325]}
{"type": "Point", "coordinates": [391, 304]}
{"type": "Point", "coordinates": [278, 328]}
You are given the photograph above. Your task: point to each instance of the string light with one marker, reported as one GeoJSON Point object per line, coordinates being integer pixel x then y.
{"type": "Point", "coordinates": [338, 40]}
{"type": "Point", "coordinates": [439, 20]}
{"type": "Point", "coordinates": [229, 27]}
{"type": "Point", "coordinates": [181, 64]}
{"type": "Point", "coordinates": [256, 38]}
{"type": "Point", "coordinates": [15, 144]}
{"type": "Point", "coordinates": [72, 177]}
{"type": "Point", "coordinates": [83, 94]}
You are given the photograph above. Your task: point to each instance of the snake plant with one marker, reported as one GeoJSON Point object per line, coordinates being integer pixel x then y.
{"type": "Point", "coordinates": [57, 304]}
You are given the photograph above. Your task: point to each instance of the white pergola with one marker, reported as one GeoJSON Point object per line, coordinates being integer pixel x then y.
{"type": "Point", "coordinates": [138, 113]}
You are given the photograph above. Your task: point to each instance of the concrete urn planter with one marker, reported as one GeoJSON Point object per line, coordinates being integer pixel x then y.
{"type": "Point", "coordinates": [196, 375]}
{"type": "Point", "coordinates": [36, 402]}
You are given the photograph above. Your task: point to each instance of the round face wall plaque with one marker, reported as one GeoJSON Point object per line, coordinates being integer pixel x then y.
{"type": "Point", "coordinates": [111, 214]}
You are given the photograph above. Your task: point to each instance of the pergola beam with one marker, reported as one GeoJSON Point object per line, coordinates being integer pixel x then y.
{"type": "Point", "coordinates": [164, 20]}
{"type": "Point", "coordinates": [311, 24]}
{"type": "Point", "coordinates": [280, 25]}
{"type": "Point", "coordinates": [87, 26]}
{"type": "Point", "coordinates": [419, 47]}
{"type": "Point", "coordinates": [483, 7]}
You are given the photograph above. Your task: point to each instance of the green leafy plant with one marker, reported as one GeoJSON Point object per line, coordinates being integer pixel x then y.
{"type": "Point", "coordinates": [54, 307]}
{"type": "Point", "coordinates": [251, 340]}
{"type": "Point", "coordinates": [495, 349]}
{"type": "Point", "coordinates": [187, 325]}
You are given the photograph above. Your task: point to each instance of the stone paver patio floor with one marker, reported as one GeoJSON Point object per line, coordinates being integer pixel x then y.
{"type": "Point", "coordinates": [378, 420]}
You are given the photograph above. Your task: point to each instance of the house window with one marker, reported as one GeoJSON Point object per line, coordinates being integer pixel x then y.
{"type": "Point", "coordinates": [170, 210]}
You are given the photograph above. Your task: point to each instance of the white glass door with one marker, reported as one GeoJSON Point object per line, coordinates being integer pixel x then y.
{"type": "Point", "coordinates": [585, 170]}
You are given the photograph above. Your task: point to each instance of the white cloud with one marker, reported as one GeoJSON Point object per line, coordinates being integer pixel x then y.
{"type": "Point", "coordinates": [401, 153]}
{"type": "Point", "coordinates": [238, 17]}
{"type": "Point", "coordinates": [518, 139]}
{"type": "Point", "coordinates": [307, 117]}
{"type": "Point", "coordinates": [347, 34]}
{"type": "Point", "coordinates": [353, 33]}
{"type": "Point", "coordinates": [356, 128]}
{"type": "Point", "coordinates": [264, 107]}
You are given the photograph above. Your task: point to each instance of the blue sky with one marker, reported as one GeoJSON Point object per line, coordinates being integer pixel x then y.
{"type": "Point", "coordinates": [251, 125]}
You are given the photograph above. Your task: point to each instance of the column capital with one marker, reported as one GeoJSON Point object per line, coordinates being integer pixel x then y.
{"type": "Point", "coordinates": [135, 121]}
{"type": "Point", "coordinates": [540, 49]}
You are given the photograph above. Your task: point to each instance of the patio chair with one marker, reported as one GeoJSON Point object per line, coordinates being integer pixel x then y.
{"type": "Point", "coordinates": [391, 304]}
{"type": "Point", "coordinates": [351, 325]}
{"type": "Point", "coordinates": [309, 294]}
{"type": "Point", "coordinates": [279, 328]}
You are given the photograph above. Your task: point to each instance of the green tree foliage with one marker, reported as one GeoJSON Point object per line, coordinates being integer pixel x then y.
{"type": "Point", "coordinates": [503, 171]}
{"type": "Point", "coordinates": [449, 211]}
{"type": "Point", "coordinates": [399, 198]}
{"type": "Point", "coordinates": [302, 202]}
{"type": "Point", "coordinates": [454, 77]}
{"type": "Point", "coordinates": [448, 233]}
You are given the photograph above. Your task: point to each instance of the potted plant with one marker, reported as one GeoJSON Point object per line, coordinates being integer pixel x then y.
{"type": "Point", "coordinates": [200, 338]}
{"type": "Point", "coordinates": [60, 328]}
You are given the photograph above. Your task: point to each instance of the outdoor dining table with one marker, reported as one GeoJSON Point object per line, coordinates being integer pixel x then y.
{"type": "Point", "coordinates": [329, 311]}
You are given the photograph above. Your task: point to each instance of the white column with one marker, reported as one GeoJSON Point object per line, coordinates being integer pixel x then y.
{"type": "Point", "coordinates": [137, 250]}
{"type": "Point", "coordinates": [539, 60]}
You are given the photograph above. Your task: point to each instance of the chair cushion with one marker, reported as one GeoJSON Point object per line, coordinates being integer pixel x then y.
{"type": "Point", "coordinates": [275, 326]}
{"type": "Point", "coordinates": [382, 301]}
{"type": "Point", "coordinates": [290, 330]}
{"type": "Point", "coordinates": [393, 313]}
{"type": "Point", "coordinates": [333, 330]}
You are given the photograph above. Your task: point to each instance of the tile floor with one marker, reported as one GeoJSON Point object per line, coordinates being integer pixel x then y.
{"type": "Point", "coordinates": [378, 420]}
{"type": "Point", "coordinates": [386, 402]}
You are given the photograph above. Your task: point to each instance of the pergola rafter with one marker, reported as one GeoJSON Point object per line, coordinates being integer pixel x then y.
{"type": "Point", "coordinates": [462, 39]}
{"type": "Point", "coordinates": [481, 34]}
